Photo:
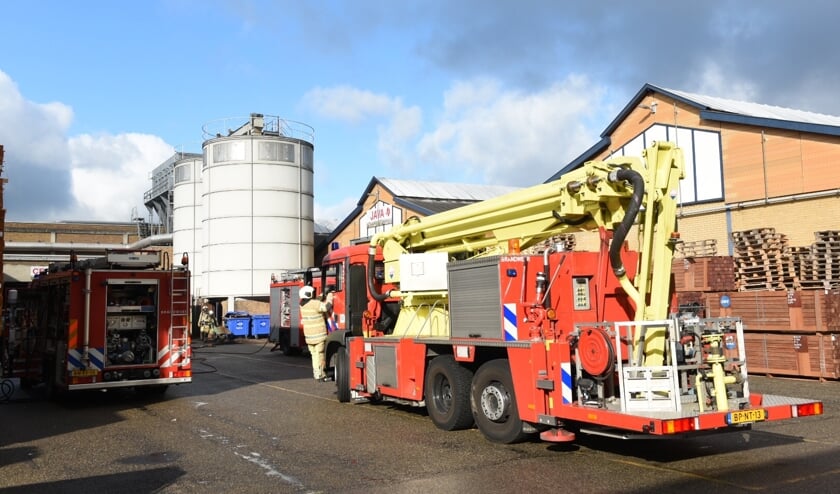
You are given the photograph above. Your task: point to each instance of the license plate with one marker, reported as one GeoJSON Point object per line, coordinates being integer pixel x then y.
{"type": "Point", "coordinates": [745, 416]}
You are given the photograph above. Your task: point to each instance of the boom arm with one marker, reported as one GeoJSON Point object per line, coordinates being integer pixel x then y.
{"type": "Point", "coordinates": [611, 194]}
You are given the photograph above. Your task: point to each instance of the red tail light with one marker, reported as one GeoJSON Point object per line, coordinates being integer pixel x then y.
{"type": "Point", "coordinates": [677, 426]}
{"type": "Point", "coordinates": [808, 409]}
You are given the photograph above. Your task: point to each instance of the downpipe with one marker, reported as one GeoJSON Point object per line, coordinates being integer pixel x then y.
{"type": "Point", "coordinates": [86, 329]}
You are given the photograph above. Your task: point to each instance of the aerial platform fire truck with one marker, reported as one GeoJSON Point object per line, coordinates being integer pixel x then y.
{"type": "Point", "coordinates": [120, 320]}
{"type": "Point", "coordinates": [448, 313]}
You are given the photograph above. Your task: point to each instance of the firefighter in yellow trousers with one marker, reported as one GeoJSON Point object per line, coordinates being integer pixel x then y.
{"type": "Point", "coordinates": [312, 313]}
{"type": "Point", "coordinates": [211, 331]}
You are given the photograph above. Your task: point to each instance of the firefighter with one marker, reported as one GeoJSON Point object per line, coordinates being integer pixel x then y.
{"type": "Point", "coordinates": [313, 312]}
{"type": "Point", "coordinates": [206, 321]}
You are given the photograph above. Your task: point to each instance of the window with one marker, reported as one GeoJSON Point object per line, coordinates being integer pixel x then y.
{"type": "Point", "coordinates": [183, 173]}
{"type": "Point", "coordinates": [306, 157]}
{"type": "Point", "coordinates": [228, 151]}
{"type": "Point", "coordinates": [703, 180]}
{"type": "Point", "coordinates": [276, 151]}
{"type": "Point", "coordinates": [333, 276]}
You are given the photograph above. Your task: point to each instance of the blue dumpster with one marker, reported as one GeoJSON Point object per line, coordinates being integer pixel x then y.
{"type": "Point", "coordinates": [260, 325]}
{"type": "Point", "coordinates": [238, 323]}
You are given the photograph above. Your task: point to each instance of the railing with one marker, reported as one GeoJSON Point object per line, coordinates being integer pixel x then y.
{"type": "Point", "coordinates": [258, 124]}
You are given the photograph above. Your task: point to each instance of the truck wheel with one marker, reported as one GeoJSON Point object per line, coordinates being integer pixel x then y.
{"type": "Point", "coordinates": [342, 374]}
{"type": "Point", "coordinates": [447, 392]}
{"type": "Point", "coordinates": [493, 403]}
{"type": "Point", "coordinates": [285, 347]}
{"type": "Point", "coordinates": [51, 389]}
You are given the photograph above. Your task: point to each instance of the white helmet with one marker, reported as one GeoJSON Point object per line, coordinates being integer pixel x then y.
{"type": "Point", "coordinates": [307, 292]}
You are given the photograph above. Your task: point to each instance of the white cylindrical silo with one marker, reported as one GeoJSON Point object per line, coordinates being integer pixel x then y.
{"type": "Point", "coordinates": [187, 218]}
{"type": "Point", "coordinates": [258, 204]}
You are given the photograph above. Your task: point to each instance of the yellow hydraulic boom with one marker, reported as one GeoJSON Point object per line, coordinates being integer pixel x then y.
{"type": "Point", "coordinates": [613, 195]}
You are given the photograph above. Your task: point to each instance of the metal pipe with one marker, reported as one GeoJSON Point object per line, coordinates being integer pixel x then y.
{"type": "Point", "coordinates": [761, 202]}
{"type": "Point", "coordinates": [79, 248]}
{"type": "Point", "coordinates": [764, 164]}
{"type": "Point", "coordinates": [86, 329]}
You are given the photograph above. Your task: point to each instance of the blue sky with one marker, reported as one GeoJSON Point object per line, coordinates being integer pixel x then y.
{"type": "Point", "coordinates": [95, 94]}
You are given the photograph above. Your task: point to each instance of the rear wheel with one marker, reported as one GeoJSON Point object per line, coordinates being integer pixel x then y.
{"type": "Point", "coordinates": [448, 394]}
{"type": "Point", "coordinates": [342, 374]}
{"type": "Point", "coordinates": [493, 403]}
{"type": "Point", "coordinates": [7, 389]}
{"type": "Point", "coordinates": [285, 346]}
{"type": "Point", "coordinates": [52, 390]}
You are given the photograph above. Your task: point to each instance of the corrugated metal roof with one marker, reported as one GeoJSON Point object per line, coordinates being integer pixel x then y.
{"type": "Point", "coordinates": [444, 190]}
{"type": "Point", "coordinates": [432, 206]}
{"type": "Point", "coordinates": [757, 110]}
{"type": "Point", "coordinates": [720, 110]}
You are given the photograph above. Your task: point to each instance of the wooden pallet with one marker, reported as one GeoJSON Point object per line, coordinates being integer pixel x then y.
{"type": "Point", "coordinates": [818, 266]}
{"type": "Point", "coordinates": [698, 248]}
{"type": "Point", "coordinates": [763, 261]}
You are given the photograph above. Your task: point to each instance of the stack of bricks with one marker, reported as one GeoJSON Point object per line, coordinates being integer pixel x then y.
{"type": "Point", "coordinates": [704, 274]}
{"type": "Point", "coordinates": [763, 261]}
{"type": "Point", "coordinates": [696, 270]}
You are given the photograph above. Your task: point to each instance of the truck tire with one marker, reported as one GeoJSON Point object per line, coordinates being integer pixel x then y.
{"type": "Point", "coordinates": [342, 374]}
{"type": "Point", "coordinates": [493, 403]}
{"type": "Point", "coordinates": [51, 389]}
{"type": "Point", "coordinates": [447, 393]}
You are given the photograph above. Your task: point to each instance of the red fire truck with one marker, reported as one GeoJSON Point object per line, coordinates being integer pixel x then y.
{"type": "Point", "coordinates": [120, 320]}
{"type": "Point", "coordinates": [450, 313]}
{"type": "Point", "coordinates": [285, 328]}
{"type": "Point", "coordinates": [344, 272]}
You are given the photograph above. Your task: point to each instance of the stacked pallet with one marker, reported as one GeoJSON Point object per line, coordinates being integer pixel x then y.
{"type": "Point", "coordinates": [763, 261]}
{"type": "Point", "coordinates": [818, 266]}
{"type": "Point", "coordinates": [699, 248]}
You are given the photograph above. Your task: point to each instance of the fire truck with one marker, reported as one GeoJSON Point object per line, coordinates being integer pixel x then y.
{"type": "Point", "coordinates": [120, 320]}
{"type": "Point", "coordinates": [450, 312]}
{"type": "Point", "coordinates": [285, 327]}
{"type": "Point", "coordinates": [344, 272]}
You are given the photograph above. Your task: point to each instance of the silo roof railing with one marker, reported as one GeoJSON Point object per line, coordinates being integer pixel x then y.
{"type": "Point", "coordinates": [258, 124]}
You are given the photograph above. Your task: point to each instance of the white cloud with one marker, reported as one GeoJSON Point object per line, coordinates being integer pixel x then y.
{"type": "Point", "coordinates": [714, 80]}
{"type": "Point", "coordinates": [33, 132]}
{"type": "Point", "coordinates": [395, 137]}
{"type": "Point", "coordinates": [54, 177]}
{"type": "Point", "coordinates": [509, 137]}
{"type": "Point", "coordinates": [399, 125]}
{"type": "Point", "coordinates": [349, 104]}
{"type": "Point", "coordinates": [330, 215]}
{"type": "Point", "coordinates": [111, 173]}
